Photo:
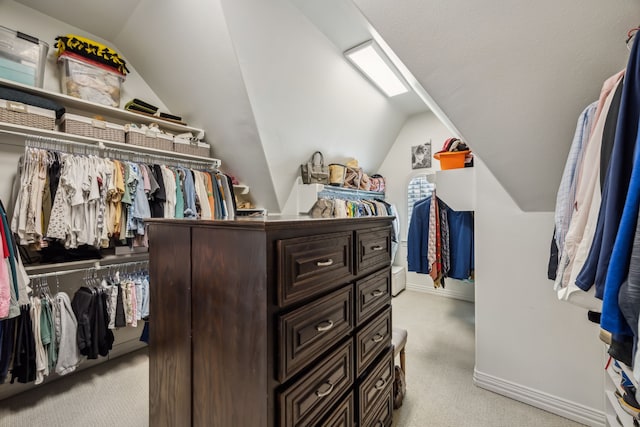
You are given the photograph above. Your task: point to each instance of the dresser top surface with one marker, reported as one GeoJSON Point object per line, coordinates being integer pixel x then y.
{"type": "Point", "coordinates": [273, 221]}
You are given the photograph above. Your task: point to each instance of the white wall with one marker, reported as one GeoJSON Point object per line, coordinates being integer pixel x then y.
{"type": "Point", "coordinates": [19, 17]}
{"type": "Point", "coordinates": [524, 334]}
{"type": "Point", "coordinates": [304, 94]}
{"type": "Point", "coordinates": [22, 18]}
{"type": "Point", "coordinates": [396, 168]}
{"type": "Point", "coordinates": [185, 52]}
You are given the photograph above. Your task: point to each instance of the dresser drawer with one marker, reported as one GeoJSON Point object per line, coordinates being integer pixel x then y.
{"type": "Point", "coordinates": [372, 340]}
{"type": "Point", "coordinates": [372, 293]}
{"type": "Point", "coordinates": [375, 385]}
{"type": "Point", "coordinates": [306, 401]}
{"type": "Point", "coordinates": [342, 415]}
{"type": "Point", "coordinates": [308, 331]}
{"type": "Point", "coordinates": [310, 265]}
{"type": "Point", "coordinates": [382, 415]}
{"type": "Point", "coordinates": [373, 249]}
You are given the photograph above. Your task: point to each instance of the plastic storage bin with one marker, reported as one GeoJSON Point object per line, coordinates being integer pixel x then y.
{"type": "Point", "coordinates": [398, 279]}
{"type": "Point", "coordinates": [22, 57]}
{"type": "Point", "coordinates": [451, 159]}
{"type": "Point", "coordinates": [88, 81]}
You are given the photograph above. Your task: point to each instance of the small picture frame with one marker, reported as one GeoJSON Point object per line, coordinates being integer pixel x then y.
{"type": "Point", "coordinates": [421, 156]}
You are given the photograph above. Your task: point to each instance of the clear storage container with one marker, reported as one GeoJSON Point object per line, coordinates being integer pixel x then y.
{"type": "Point", "coordinates": [84, 80]}
{"type": "Point", "coordinates": [22, 57]}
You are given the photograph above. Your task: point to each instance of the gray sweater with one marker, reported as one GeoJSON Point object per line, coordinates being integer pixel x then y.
{"type": "Point", "coordinates": [66, 328]}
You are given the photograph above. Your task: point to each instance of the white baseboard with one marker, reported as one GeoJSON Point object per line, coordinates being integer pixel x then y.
{"type": "Point", "coordinates": [446, 292]}
{"type": "Point", "coordinates": [545, 401]}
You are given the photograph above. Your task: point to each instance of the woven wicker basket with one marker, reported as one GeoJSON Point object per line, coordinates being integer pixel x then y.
{"type": "Point", "coordinates": [151, 139]}
{"type": "Point", "coordinates": [92, 128]}
{"type": "Point", "coordinates": [27, 115]}
{"type": "Point", "coordinates": [190, 147]}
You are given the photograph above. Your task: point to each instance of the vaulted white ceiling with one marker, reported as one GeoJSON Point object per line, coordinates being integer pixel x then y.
{"type": "Point", "coordinates": [102, 18]}
{"type": "Point", "coordinates": [512, 75]}
{"type": "Point", "coordinates": [267, 80]}
{"type": "Point", "coordinates": [267, 85]}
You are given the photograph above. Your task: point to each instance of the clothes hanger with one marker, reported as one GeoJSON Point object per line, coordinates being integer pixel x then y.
{"type": "Point", "coordinates": [631, 36]}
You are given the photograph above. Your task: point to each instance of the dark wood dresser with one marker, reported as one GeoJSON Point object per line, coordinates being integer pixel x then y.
{"type": "Point", "coordinates": [271, 323]}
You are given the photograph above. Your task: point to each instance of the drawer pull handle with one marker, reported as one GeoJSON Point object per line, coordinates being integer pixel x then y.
{"type": "Point", "coordinates": [377, 248]}
{"type": "Point", "coordinates": [377, 338]}
{"type": "Point", "coordinates": [322, 328]}
{"type": "Point", "coordinates": [380, 384]}
{"type": "Point", "coordinates": [377, 293]}
{"type": "Point", "coordinates": [325, 392]}
{"type": "Point", "coordinates": [325, 263]}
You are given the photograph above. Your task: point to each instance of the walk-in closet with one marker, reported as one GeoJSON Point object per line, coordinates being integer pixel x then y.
{"type": "Point", "coordinates": [344, 213]}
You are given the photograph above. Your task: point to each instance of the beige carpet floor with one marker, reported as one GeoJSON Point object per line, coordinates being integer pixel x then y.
{"type": "Point", "coordinates": [115, 393]}
{"type": "Point", "coordinates": [440, 390]}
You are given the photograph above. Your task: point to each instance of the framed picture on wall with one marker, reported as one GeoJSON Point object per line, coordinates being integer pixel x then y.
{"type": "Point", "coordinates": [421, 156]}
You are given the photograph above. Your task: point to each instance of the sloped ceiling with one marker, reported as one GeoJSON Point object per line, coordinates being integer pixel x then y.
{"type": "Point", "coordinates": [103, 18]}
{"type": "Point", "coordinates": [265, 83]}
{"type": "Point", "coordinates": [512, 75]}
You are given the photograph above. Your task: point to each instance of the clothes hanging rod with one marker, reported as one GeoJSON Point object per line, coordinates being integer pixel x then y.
{"type": "Point", "coordinates": [83, 264]}
{"type": "Point", "coordinates": [94, 268]}
{"type": "Point", "coordinates": [103, 145]}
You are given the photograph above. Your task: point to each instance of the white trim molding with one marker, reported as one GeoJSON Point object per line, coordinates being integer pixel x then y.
{"type": "Point", "coordinates": [539, 399]}
{"type": "Point", "coordinates": [446, 292]}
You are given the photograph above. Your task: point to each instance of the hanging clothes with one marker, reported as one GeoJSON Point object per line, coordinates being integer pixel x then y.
{"type": "Point", "coordinates": [80, 201]}
{"type": "Point", "coordinates": [445, 234]}
{"type": "Point", "coordinates": [587, 201]}
{"type": "Point", "coordinates": [24, 356]}
{"type": "Point", "coordinates": [66, 326]}
{"type": "Point", "coordinates": [418, 237]}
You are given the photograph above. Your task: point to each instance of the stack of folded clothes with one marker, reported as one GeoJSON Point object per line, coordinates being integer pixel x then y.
{"type": "Point", "coordinates": [139, 106]}
{"type": "Point", "coordinates": [91, 51]}
{"type": "Point", "coordinates": [16, 95]}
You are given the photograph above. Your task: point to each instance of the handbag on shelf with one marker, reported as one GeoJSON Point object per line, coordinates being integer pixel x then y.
{"type": "Point", "coordinates": [377, 183]}
{"type": "Point", "coordinates": [337, 173]}
{"type": "Point", "coordinates": [353, 177]}
{"type": "Point", "coordinates": [315, 171]}
{"type": "Point", "coordinates": [365, 182]}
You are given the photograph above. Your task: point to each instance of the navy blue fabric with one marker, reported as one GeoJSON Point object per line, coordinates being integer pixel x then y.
{"type": "Point", "coordinates": [144, 337]}
{"type": "Point", "coordinates": [418, 237]}
{"type": "Point", "coordinates": [587, 276]}
{"type": "Point", "coordinates": [460, 243]}
{"type": "Point", "coordinates": [615, 191]}
{"type": "Point", "coordinates": [618, 268]}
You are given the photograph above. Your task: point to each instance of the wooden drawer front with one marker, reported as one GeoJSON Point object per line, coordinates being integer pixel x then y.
{"type": "Point", "coordinates": [375, 385]}
{"type": "Point", "coordinates": [309, 265]}
{"type": "Point", "coordinates": [373, 293]}
{"type": "Point", "coordinates": [342, 415]}
{"type": "Point", "coordinates": [373, 249]}
{"type": "Point", "coordinates": [372, 339]}
{"type": "Point", "coordinates": [308, 331]}
{"type": "Point", "coordinates": [307, 400]}
{"type": "Point", "coordinates": [383, 415]}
